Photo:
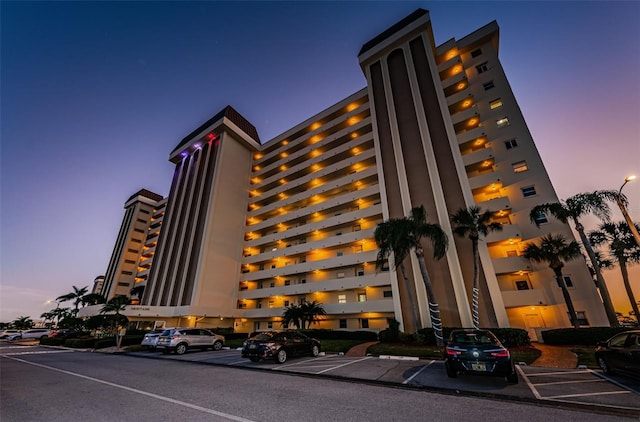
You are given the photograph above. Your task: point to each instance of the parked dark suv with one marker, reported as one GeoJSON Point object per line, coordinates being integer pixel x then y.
{"type": "Point", "coordinates": [181, 339]}
{"type": "Point", "coordinates": [279, 345]}
{"type": "Point", "coordinates": [478, 352]}
{"type": "Point", "coordinates": [621, 353]}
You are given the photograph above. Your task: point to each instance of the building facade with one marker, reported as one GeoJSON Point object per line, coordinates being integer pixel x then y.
{"type": "Point", "coordinates": [251, 228]}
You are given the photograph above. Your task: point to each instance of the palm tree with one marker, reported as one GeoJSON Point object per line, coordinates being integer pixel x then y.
{"type": "Point", "coordinates": [554, 249]}
{"type": "Point", "coordinates": [116, 304]}
{"type": "Point", "coordinates": [292, 315]}
{"type": "Point", "coordinates": [23, 323]}
{"type": "Point", "coordinates": [407, 235]}
{"type": "Point", "coordinates": [573, 209]}
{"type": "Point", "coordinates": [385, 235]}
{"type": "Point", "coordinates": [48, 316]}
{"type": "Point", "coordinates": [623, 248]}
{"type": "Point", "coordinates": [76, 296]}
{"type": "Point", "coordinates": [473, 222]}
{"type": "Point", "coordinates": [311, 313]}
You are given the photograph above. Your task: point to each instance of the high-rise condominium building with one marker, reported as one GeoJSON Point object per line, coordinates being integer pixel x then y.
{"type": "Point", "coordinates": [251, 228]}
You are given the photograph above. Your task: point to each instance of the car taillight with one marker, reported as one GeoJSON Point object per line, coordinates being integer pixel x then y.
{"type": "Point", "coordinates": [175, 335]}
{"type": "Point", "coordinates": [453, 352]}
{"type": "Point", "coordinates": [501, 354]}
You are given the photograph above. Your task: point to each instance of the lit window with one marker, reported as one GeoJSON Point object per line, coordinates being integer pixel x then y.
{"type": "Point", "coordinates": [482, 67]}
{"type": "Point", "coordinates": [362, 297]}
{"type": "Point", "coordinates": [342, 298]}
{"type": "Point", "coordinates": [488, 85]}
{"type": "Point", "coordinates": [511, 143]}
{"type": "Point", "coordinates": [502, 122]}
{"type": "Point", "coordinates": [520, 166]}
{"type": "Point", "coordinates": [528, 191]}
{"type": "Point", "coordinates": [495, 104]}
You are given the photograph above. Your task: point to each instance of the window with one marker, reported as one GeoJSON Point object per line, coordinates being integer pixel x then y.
{"type": "Point", "coordinates": [138, 230]}
{"type": "Point", "coordinates": [136, 240]}
{"type": "Point", "coordinates": [357, 228]}
{"type": "Point", "coordinates": [140, 220]}
{"type": "Point", "coordinates": [488, 85]}
{"type": "Point", "coordinates": [520, 166]}
{"type": "Point", "coordinates": [541, 219]}
{"type": "Point", "coordinates": [129, 261]}
{"type": "Point", "coordinates": [582, 318]}
{"type": "Point", "coordinates": [528, 191]}
{"type": "Point", "coordinates": [362, 297]}
{"type": "Point", "coordinates": [482, 67]}
{"type": "Point", "coordinates": [303, 281]}
{"type": "Point", "coordinates": [502, 122]}
{"type": "Point", "coordinates": [270, 324]}
{"type": "Point", "coordinates": [260, 285]}
{"type": "Point", "coordinates": [287, 282]}
{"type": "Point", "coordinates": [340, 253]}
{"type": "Point", "coordinates": [522, 285]}
{"type": "Point", "coordinates": [256, 326]}
{"type": "Point", "coordinates": [242, 305]}
{"type": "Point", "coordinates": [567, 281]}
{"type": "Point", "coordinates": [123, 284]}
{"type": "Point", "coordinates": [511, 143]}
{"type": "Point", "coordinates": [286, 303]}
{"type": "Point", "coordinates": [475, 53]}
{"type": "Point", "coordinates": [127, 273]}
{"type": "Point", "coordinates": [512, 253]}
{"type": "Point", "coordinates": [144, 211]}
{"type": "Point", "coordinates": [387, 293]}
{"type": "Point", "coordinates": [132, 250]}
{"type": "Point", "coordinates": [259, 304]}
{"type": "Point", "coordinates": [342, 298]}
{"type": "Point", "coordinates": [343, 323]}
{"type": "Point", "coordinates": [271, 304]}
{"type": "Point", "coordinates": [364, 323]}
{"type": "Point", "coordinates": [495, 104]}
{"type": "Point", "coordinates": [272, 284]}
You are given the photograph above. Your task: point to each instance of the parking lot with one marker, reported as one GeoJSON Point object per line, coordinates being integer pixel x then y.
{"type": "Point", "coordinates": [571, 386]}
{"type": "Point", "coordinates": [575, 386]}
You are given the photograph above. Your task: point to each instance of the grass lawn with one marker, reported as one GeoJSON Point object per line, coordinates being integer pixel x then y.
{"type": "Point", "coordinates": [586, 356]}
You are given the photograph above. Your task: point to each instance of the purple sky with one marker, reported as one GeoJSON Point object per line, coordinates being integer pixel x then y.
{"type": "Point", "coordinates": [95, 95]}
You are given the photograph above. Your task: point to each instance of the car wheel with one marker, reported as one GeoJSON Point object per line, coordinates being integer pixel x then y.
{"type": "Point", "coordinates": [512, 378]}
{"type": "Point", "coordinates": [315, 350]}
{"type": "Point", "coordinates": [254, 359]}
{"type": "Point", "coordinates": [604, 366]}
{"type": "Point", "coordinates": [451, 373]}
{"type": "Point", "coordinates": [181, 349]}
{"type": "Point", "coordinates": [217, 345]}
{"type": "Point", "coordinates": [281, 356]}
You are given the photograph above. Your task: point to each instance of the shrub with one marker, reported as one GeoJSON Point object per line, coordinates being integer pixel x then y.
{"type": "Point", "coordinates": [341, 335]}
{"type": "Point", "coordinates": [588, 336]}
{"type": "Point", "coordinates": [52, 341]}
{"type": "Point", "coordinates": [513, 337]}
{"type": "Point", "coordinates": [80, 343]}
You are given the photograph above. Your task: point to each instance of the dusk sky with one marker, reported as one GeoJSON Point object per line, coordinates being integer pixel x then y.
{"type": "Point", "coordinates": [95, 95]}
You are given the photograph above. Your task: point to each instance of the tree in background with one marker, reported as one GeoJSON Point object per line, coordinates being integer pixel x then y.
{"type": "Point", "coordinates": [23, 323]}
{"type": "Point", "coordinates": [408, 233]}
{"type": "Point", "coordinates": [473, 222]}
{"type": "Point", "coordinates": [554, 249]}
{"type": "Point", "coordinates": [76, 296]}
{"type": "Point", "coordinates": [621, 247]}
{"type": "Point", "coordinates": [573, 209]}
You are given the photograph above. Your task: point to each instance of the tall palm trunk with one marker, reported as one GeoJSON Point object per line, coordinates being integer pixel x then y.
{"type": "Point", "coordinates": [412, 302]}
{"type": "Point", "coordinates": [627, 286]}
{"type": "Point", "coordinates": [557, 269]}
{"type": "Point", "coordinates": [602, 286]}
{"type": "Point", "coordinates": [434, 308]}
{"type": "Point", "coordinates": [476, 282]}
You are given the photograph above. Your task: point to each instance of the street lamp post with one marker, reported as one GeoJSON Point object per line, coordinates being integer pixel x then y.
{"type": "Point", "coordinates": [625, 214]}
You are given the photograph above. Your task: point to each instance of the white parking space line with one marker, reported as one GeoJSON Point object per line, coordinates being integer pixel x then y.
{"type": "Point", "coordinates": [611, 380]}
{"type": "Point", "coordinates": [598, 393]}
{"type": "Point", "coordinates": [533, 389]}
{"type": "Point", "coordinates": [408, 380]}
{"type": "Point", "coordinates": [567, 382]}
{"type": "Point", "coordinates": [540, 374]}
{"type": "Point", "coordinates": [41, 352]}
{"type": "Point", "coordinates": [144, 393]}
{"type": "Point", "coordinates": [344, 364]}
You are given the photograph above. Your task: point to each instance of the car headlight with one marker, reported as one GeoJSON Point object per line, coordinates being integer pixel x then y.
{"type": "Point", "coordinates": [244, 344]}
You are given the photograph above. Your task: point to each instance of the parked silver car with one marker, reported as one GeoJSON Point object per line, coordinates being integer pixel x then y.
{"type": "Point", "coordinates": [8, 332]}
{"type": "Point", "coordinates": [35, 333]}
{"type": "Point", "coordinates": [151, 339]}
{"type": "Point", "coordinates": [181, 339]}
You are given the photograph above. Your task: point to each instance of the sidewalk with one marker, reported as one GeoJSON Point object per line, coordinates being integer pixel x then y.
{"type": "Point", "coordinates": [552, 356]}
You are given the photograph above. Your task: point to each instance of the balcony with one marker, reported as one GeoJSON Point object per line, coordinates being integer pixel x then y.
{"type": "Point", "coordinates": [496, 204]}
{"type": "Point", "coordinates": [449, 63]}
{"type": "Point", "coordinates": [454, 79]}
{"type": "Point", "coordinates": [466, 114]}
{"type": "Point", "coordinates": [509, 231]}
{"type": "Point", "coordinates": [477, 156]}
{"type": "Point", "coordinates": [459, 96]}
{"type": "Point", "coordinates": [470, 135]}
{"type": "Point", "coordinates": [517, 298]}
{"type": "Point", "coordinates": [510, 264]}
{"type": "Point", "coordinates": [484, 180]}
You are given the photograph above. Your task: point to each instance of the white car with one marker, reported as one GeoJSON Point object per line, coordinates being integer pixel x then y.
{"type": "Point", "coordinates": [150, 339]}
{"type": "Point", "coordinates": [181, 339]}
{"type": "Point", "coordinates": [34, 333]}
{"type": "Point", "coordinates": [7, 333]}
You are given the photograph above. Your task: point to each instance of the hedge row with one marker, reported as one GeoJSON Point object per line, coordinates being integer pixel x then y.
{"type": "Point", "coordinates": [511, 337]}
{"type": "Point", "coordinates": [324, 334]}
{"type": "Point", "coordinates": [588, 336]}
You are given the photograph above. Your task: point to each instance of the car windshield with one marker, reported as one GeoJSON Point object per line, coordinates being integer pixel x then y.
{"type": "Point", "coordinates": [476, 337]}
{"type": "Point", "coordinates": [263, 337]}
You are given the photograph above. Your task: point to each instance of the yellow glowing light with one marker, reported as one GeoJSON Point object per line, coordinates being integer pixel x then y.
{"type": "Point", "coordinates": [461, 85]}
{"type": "Point", "coordinates": [283, 181]}
{"type": "Point", "coordinates": [352, 106]}
{"type": "Point", "coordinates": [285, 142]}
{"type": "Point", "coordinates": [354, 135]}
{"type": "Point", "coordinates": [256, 168]}
{"type": "Point", "coordinates": [457, 69]}
{"type": "Point", "coordinates": [473, 121]}
{"type": "Point", "coordinates": [315, 138]}
{"type": "Point", "coordinates": [315, 153]}
{"type": "Point", "coordinates": [467, 103]}
{"type": "Point", "coordinates": [315, 181]}
{"type": "Point", "coordinates": [284, 155]}
{"type": "Point", "coordinates": [257, 156]}
{"type": "Point", "coordinates": [283, 167]}
{"type": "Point", "coordinates": [451, 54]}
{"type": "Point", "coordinates": [356, 151]}
{"type": "Point", "coordinates": [353, 121]}
{"type": "Point", "coordinates": [316, 125]}
{"type": "Point", "coordinates": [315, 167]}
